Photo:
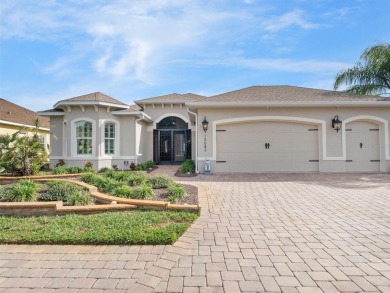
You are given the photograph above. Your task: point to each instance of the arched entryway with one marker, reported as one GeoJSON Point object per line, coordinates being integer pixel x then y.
{"type": "Point", "coordinates": [171, 141]}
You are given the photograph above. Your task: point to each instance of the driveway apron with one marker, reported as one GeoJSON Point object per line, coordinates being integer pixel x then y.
{"type": "Point", "coordinates": [256, 232]}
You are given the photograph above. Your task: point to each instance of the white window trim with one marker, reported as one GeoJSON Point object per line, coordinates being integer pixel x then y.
{"type": "Point", "coordinates": [117, 135]}
{"type": "Point", "coordinates": [74, 140]}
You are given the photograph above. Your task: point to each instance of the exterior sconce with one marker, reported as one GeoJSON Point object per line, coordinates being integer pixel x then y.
{"type": "Point", "coordinates": [205, 124]}
{"type": "Point", "coordinates": [336, 123]}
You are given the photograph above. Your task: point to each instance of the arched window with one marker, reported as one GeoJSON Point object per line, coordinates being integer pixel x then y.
{"type": "Point", "coordinates": [109, 138]}
{"type": "Point", "coordinates": [172, 123]}
{"type": "Point", "coordinates": [84, 137]}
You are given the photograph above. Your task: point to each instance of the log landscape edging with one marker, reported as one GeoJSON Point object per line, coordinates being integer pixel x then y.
{"type": "Point", "coordinates": [113, 203]}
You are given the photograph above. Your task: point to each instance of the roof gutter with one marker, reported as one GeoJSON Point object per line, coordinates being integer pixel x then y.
{"type": "Point", "coordinates": [23, 125]}
{"type": "Point", "coordinates": [196, 140]}
{"type": "Point", "coordinates": [288, 104]}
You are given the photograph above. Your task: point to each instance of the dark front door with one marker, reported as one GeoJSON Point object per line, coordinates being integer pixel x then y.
{"type": "Point", "coordinates": [172, 141]}
{"type": "Point", "coordinates": [166, 146]}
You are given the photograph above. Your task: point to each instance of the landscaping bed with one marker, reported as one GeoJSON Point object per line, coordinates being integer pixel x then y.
{"type": "Point", "coordinates": [120, 228]}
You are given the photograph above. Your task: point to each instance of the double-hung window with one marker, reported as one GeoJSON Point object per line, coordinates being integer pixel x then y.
{"type": "Point", "coordinates": [84, 137]}
{"type": "Point", "coordinates": [109, 138]}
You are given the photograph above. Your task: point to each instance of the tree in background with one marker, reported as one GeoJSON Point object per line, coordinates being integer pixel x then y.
{"type": "Point", "coordinates": [370, 76]}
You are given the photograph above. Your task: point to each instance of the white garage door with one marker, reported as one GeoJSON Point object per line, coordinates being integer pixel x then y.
{"type": "Point", "coordinates": [363, 152]}
{"type": "Point", "coordinates": [267, 146]}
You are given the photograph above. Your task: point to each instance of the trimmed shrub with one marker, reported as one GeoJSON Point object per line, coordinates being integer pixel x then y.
{"type": "Point", "coordinates": [59, 170]}
{"type": "Point", "coordinates": [123, 191]}
{"type": "Point", "coordinates": [143, 191]}
{"type": "Point", "coordinates": [175, 192]}
{"type": "Point", "coordinates": [24, 190]}
{"type": "Point", "coordinates": [188, 166]}
{"type": "Point", "coordinates": [88, 170]}
{"type": "Point", "coordinates": [160, 181]}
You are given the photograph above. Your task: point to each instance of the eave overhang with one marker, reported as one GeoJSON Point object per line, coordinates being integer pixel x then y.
{"type": "Point", "coordinates": [89, 103]}
{"type": "Point", "coordinates": [22, 125]}
{"type": "Point", "coordinates": [288, 104]}
{"type": "Point", "coordinates": [139, 114]}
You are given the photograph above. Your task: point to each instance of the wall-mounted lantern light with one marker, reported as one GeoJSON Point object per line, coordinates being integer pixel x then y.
{"type": "Point", "coordinates": [205, 124]}
{"type": "Point", "coordinates": [336, 123]}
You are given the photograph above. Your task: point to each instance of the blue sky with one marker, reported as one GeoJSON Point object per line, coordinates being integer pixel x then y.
{"type": "Point", "coordinates": [130, 49]}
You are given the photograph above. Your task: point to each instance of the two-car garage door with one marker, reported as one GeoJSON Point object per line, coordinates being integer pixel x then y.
{"type": "Point", "coordinates": [267, 146]}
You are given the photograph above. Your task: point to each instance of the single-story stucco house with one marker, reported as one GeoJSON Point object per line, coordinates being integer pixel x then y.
{"type": "Point", "coordinates": [255, 129]}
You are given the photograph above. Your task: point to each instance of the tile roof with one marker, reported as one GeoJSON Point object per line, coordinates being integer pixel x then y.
{"type": "Point", "coordinates": [287, 93]}
{"type": "Point", "coordinates": [172, 98]}
{"type": "Point", "coordinates": [13, 113]}
{"type": "Point", "coordinates": [98, 97]}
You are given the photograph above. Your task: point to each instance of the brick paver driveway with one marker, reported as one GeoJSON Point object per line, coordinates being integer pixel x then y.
{"type": "Point", "coordinates": [273, 233]}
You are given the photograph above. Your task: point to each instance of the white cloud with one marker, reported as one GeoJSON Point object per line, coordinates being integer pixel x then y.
{"type": "Point", "coordinates": [289, 19]}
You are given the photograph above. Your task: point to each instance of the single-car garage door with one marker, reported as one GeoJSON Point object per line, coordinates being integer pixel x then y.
{"type": "Point", "coordinates": [267, 146]}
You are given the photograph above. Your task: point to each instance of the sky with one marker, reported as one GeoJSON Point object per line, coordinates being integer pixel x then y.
{"type": "Point", "coordinates": [134, 49]}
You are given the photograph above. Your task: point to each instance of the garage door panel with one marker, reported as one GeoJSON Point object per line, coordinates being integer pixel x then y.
{"type": "Point", "coordinates": [291, 147]}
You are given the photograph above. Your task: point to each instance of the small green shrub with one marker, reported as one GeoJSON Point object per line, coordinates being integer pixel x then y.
{"type": "Point", "coordinates": [88, 178]}
{"type": "Point", "coordinates": [24, 190]}
{"type": "Point", "coordinates": [188, 166]}
{"type": "Point", "coordinates": [104, 170]}
{"type": "Point", "coordinates": [88, 170]}
{"type": "Point", "coordinates": [59, 170]}
{"type": "Point", "coordinates": [67, 192]}
{"type": "Point", "coordinates": [160, 181]}
{"type": "Point", "coordinates": [143, 191]}
{"type": "Point", "coordinates": [4, 192]}
{"type": "Point", "coordinates": [137, 178]}
{"type": "Point", "coordinates": [115, 167]}
{"type": "Point", "coordinates": [150, 164]}
{"type": "Point", "coordinates": [145, 166]}
{"type": "Point", "coordinates": [119, 176]}
{"type": "Point", "coordinates": [175, 192]}
{"type": "Point", "coordinates": [123, 191]}
{"type": "Point", "coordinates": [74, 170]}
{"type": "Point", "coordinates": [81, 198]}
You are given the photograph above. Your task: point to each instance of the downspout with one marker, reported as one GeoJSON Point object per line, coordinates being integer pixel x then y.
{"type": "Point", "coordinates": [196, 140]}
{"type": "Point", "coordinates": [135, 140]}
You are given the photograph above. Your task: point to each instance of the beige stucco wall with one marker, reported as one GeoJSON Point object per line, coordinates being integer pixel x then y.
{"type": "Point", "coordinates": [65, 143]}
{"type": "Point", "coordinates": [11, 129]}
{"type": "Point", "coordinates": [333, 140]}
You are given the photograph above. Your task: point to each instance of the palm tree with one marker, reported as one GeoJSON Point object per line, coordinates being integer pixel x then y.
{"type": "Point", "coordinates": [22, 154]}
{"type": "Point", "coordinates": [370, 76]}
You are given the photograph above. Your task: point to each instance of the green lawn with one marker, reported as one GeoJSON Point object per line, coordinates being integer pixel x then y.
{"type": "Point", "coordinates": [130, 227]}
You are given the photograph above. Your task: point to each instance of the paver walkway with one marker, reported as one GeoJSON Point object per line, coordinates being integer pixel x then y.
{"type": "Point", "coordinates": [263, 232]}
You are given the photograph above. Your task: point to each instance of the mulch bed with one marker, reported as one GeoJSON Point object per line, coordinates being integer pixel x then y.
{"type": "Point", "coordinates": [191, 196]}
{"type": "Point", "coordinates": [178, 174]}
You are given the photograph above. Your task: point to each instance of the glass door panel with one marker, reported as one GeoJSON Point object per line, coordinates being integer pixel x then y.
{"type": "Point", "coordinates": [179, 146]}
{"type": "Point", "coordinates": [166, 146]}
